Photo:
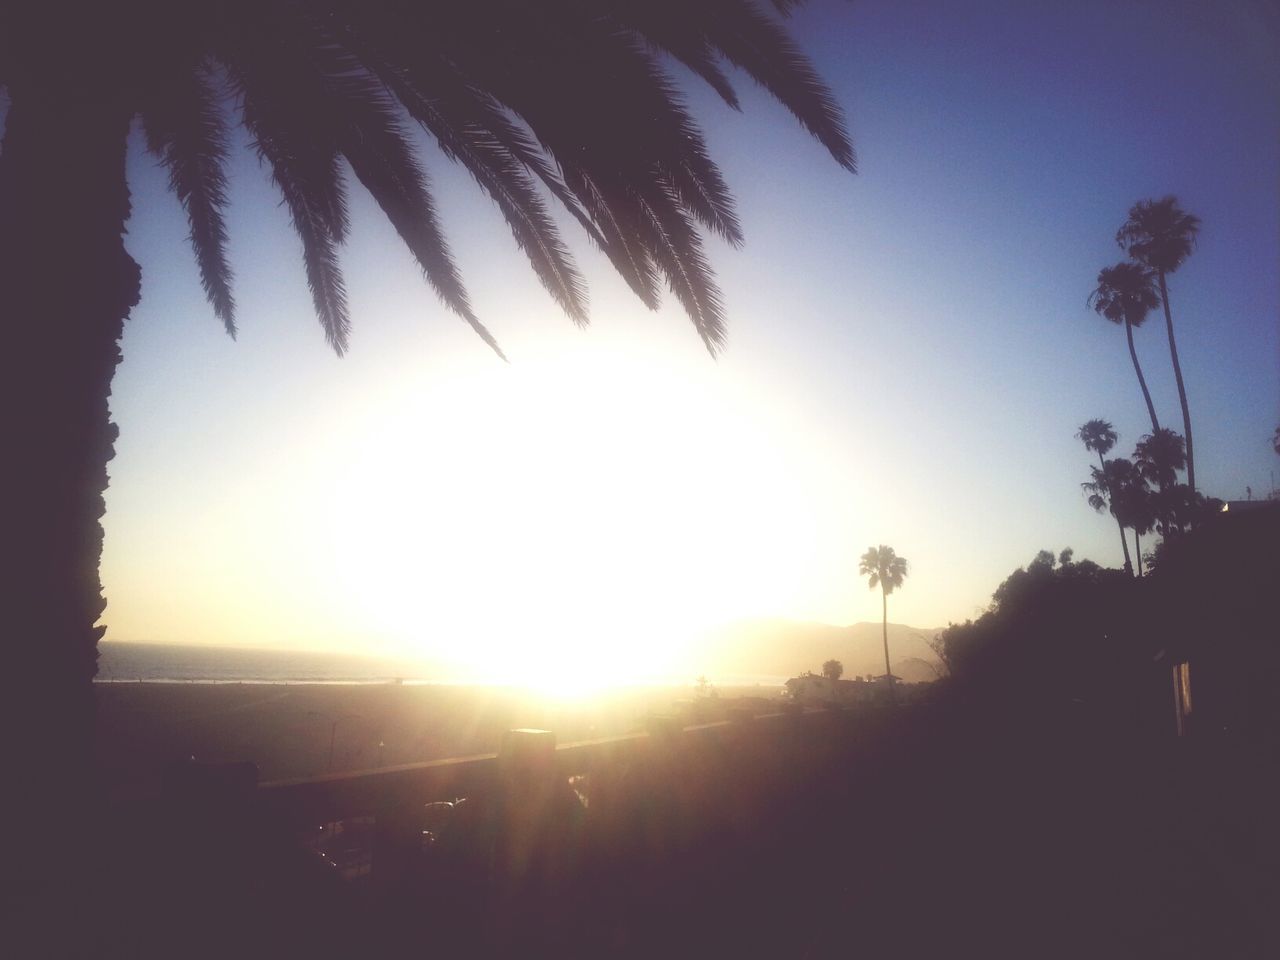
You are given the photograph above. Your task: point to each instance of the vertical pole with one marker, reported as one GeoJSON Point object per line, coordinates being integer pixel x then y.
{"type": "Point", "coordinates": [884, 621]}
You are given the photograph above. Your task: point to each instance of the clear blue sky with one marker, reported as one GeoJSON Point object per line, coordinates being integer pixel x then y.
{"type": "Point", "coordinates": [910, 355]}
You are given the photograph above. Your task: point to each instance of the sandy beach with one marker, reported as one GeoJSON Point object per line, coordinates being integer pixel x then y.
{"type": "Point", "coordinates": [286, 729]}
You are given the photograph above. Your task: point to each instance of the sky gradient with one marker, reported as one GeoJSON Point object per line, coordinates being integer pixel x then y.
{"type": "Point", "coordinates": [909, 356]}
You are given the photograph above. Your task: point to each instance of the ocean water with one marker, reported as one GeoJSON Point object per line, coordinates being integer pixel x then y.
{"type": "Point", "coordinates": [120, 662]}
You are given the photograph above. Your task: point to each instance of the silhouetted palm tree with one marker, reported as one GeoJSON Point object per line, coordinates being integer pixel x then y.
{"type": "Point", "coordinates": [1159, 457]}
{"type": "Point", "coordinates": [1125, 294]}
{"type": "Point", "coordinates": [1100, 437]}
{"type": "Point", "coordinates": [884, 569]}
{"type": "Point", "coordinates": [1136, 504]}
{"type": "Point", "coordinates": [1161, 235]}
{"type": "Point", "coordinates": [1105, 490]}
{"type": "Point", "coordinates": [562, 97]}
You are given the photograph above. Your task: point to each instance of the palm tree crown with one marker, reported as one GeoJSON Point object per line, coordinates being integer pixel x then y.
{"type": "Point", "coordinates": [1098, 436]}
{"type": "Point", "coordinates": [1103, 489]}
{"type": "Point", "coordinates": [883, 568]}
{"type": "Point", "coordinates": [1125, 293]}
{"type": "Point", "coordinates": [1159, 456]}
{"type": "Point", "coordinates": [561, 96]}
{"type": "Point", "coordinates": [1159, 234]}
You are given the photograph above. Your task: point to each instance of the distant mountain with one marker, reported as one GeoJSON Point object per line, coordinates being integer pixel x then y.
{"type": "Point", "coordinates": [789, 647]}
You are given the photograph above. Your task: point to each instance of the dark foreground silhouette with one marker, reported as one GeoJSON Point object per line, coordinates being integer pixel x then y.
{"type": "Point", "coordinates": [1037, 804]}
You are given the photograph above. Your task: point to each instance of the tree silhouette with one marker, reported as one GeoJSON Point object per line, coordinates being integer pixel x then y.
{"type": "Point", "coordinates": [1160, 235]}
{"type": "Point", "coordinates": [833, 670]}
{"type": "Point", "coordinates": [1106, 490]}
{"type": "Point", "coordinates": [1159, 457]}
{"type": "Point", "coordinates": [1275, 441]}
{"type": "Point", "coordinates": [1125, 294]}
{"type": "Point", "coordinates": [1043, 560]}
{"type": "Point", "coordinates": [557, 98]}
{"type": "Point", "coordinates": [1136, 505]}
{"type": "Point", "coordinates": [1100, 437]}
{"type": "Point", "coordinates": [883, 568]}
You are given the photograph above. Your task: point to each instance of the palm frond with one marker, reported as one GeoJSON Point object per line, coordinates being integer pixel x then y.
{"type": "Point", "coordinates": [677, 250]}
{"type": "Point", "coordinates": [786, 6]}
{"type": "Point", "coordinates": [273, 72]}
{"type": "Point", "coordinates": [471, 129]}
{"type": "Point", "coordinates": [598, 104]}
{"type": "Point", "coordinates": [691, 50]}
{"type": "Point", "coordinates": [184, 127]}
{"type": "Point", "coordinates": [756, 43]}
{"type": "Point", "coordinates": [566, 96]}
{"type": "Point", "coordinates": [306, 171]}
{"type": "Point", "coordinates": [372, 139]}
{"type": "Point", "coordinates": [759, 45]}
{"type": "Point", "coordinates": [616, 217]}
{"type": "Point", "coordinates": [425, 79]}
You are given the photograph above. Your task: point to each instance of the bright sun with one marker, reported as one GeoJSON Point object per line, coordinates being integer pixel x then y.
{"type": "Point", "coordinates": [564, 526]}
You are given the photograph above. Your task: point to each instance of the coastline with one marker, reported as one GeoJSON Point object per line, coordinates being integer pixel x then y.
{"type": "Point", "coordinates": [300, 729]}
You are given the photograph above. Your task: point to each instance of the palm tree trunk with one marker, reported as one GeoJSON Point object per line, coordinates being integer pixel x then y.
{"type": "Point", "coordinates": [1137, 549]}
{"type": "Point", "coordinates": [67, 285]}
{"type": "Point", "coordinates": [1124, 543]}
{"type": "Point", "coordinates": [1142, 381]}
{"type": "Point", "coordinates": [884, 623]}
{"type": "Point", "coordinates": [1182, 390]}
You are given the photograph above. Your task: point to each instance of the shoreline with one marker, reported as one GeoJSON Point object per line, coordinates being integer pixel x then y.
{"type": "Point", "coordinates": [302, 729]}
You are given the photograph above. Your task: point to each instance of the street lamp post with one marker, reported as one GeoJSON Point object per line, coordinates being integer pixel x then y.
{"type": "Point", "coordinates": [333, 729]}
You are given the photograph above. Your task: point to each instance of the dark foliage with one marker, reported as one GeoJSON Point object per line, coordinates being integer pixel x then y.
{"type": "Point", "coordinates": [563, 96]}
{"type": "Point", "coordinates": [1087, 634]}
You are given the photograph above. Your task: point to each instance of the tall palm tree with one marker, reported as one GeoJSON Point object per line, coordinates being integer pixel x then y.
{"type": "Point", "coordinates": [1100, 437]}
{"type": "Point", "coordinates": [1158, 457]}
{"type": "Point", "coordinates": [562, 99]}
{"type": "Point", "coordinates": [1136, 504]}
{"type": "Point", "coordinates": [883, 568]}
{"type": "Point", "coordinates": [1105, 490]}
{"type": "Point", "coordinates": [1160, 235]}
{"type": "Point", "coordinates": [1125, 294]}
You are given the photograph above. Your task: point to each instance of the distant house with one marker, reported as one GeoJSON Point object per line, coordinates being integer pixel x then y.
{"type": "Point", "coordinates": [1244, 506]}
{"type": "Point", "coordinates": [815, 689]}
{"type": "Point", "coordinates": [1216, 624]}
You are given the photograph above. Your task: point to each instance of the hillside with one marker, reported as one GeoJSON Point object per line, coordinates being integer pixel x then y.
{"type": "Point", "coordinates": [788, 648]}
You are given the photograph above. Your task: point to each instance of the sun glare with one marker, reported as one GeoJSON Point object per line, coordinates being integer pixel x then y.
{"type": "Point", "coordinates": [562, 525]}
